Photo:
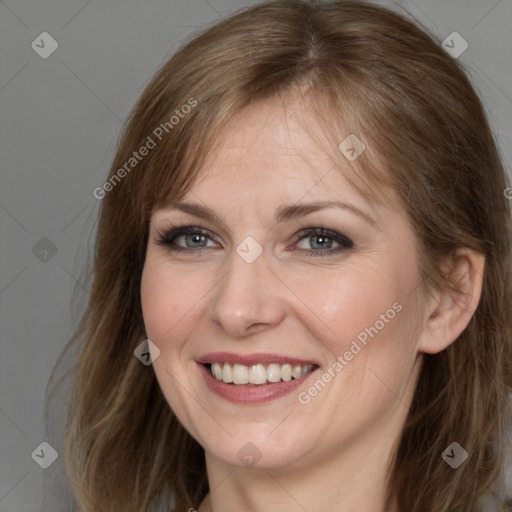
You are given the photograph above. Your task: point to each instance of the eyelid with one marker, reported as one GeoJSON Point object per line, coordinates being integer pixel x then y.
{"type": "Point", "coordinates": [163, 235]}
{"type": "Point", "coordinates": [329, 233]}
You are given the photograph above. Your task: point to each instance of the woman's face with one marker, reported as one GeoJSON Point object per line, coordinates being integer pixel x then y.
{"type": "Point", "coordinates": [257, 292]}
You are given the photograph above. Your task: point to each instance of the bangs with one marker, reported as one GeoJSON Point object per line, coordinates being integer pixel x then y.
{"type": "Point", "coordinates": [343, 123]}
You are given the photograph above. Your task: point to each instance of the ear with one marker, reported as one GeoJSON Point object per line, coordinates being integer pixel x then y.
{"type": "Point", "coordinates": [449, 311]}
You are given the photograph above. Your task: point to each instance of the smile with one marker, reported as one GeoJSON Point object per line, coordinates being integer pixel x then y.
{"type": "Point", "coordinates": [253, 378]}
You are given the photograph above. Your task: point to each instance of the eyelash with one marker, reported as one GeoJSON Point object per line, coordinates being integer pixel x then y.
{"type": "Point", "coordinates": [166, 237]}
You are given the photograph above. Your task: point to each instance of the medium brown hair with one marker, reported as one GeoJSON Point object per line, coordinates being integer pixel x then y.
{"type": "Point", "coordinates": [379, 76]}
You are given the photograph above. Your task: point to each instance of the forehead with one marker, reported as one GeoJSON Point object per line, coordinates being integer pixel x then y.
{"type": "Point", "coordinates": [275, 149]}
{"type": "Point", "coordinates": [271, 159]}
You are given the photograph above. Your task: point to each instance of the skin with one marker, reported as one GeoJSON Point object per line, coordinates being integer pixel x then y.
{"type": "Point", "coordinates": [332, 453]}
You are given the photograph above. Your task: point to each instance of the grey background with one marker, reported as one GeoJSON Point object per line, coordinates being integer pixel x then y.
{"type": "Point", "coordinates": [60, 118]}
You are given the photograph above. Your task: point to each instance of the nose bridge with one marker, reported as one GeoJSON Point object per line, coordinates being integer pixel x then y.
{"type": "Point", "coordinates": [245, 296]}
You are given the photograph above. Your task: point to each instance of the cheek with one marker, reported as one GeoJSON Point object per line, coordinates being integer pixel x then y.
{"type": "Point", "coordinates": [167, 298]}
{"type": "Point", "coordinates": [350, 303]}
{"type": "Point", "coordinates": [369, 315]}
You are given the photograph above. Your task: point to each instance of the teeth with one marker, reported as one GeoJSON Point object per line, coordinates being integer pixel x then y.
{"type": "Point", "coordinates": [240, 374]}
{"type": "Point", "coordinates": [227, 373]}
{"type": "Point", "coordinates": [217, 371]}
{"type": "Point", "coordinates": [286, 372]}
{"type": "Point", "coordinates": [274, 372]}
{"type": "Point", "coordinates": [297, 371]}
{"type": "Point", "coordinates": [258, 374]}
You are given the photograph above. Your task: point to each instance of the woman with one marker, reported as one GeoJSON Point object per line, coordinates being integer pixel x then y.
{"type": "Point", "coordinates": [305, 231]}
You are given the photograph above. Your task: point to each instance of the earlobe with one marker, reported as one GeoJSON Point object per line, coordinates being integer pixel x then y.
{"type": "Point", "coordinates": [452, 310]}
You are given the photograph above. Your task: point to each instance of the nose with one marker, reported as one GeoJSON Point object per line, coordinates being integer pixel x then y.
{"type": "Point", "coordinates": [247, 299]}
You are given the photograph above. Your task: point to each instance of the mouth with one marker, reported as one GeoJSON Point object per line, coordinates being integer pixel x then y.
{"type": "Point", "coordinates": [250, 379]}
{"type": "Point", "coordinates": [258, 374]}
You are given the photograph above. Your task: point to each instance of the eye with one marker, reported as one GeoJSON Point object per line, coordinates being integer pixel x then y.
{"type": "Point", "coordinates": [320, 241]}
{"type": "Point", "coordinates": [185, 238]}
{"type": "Point", "coordinates": [317, 241]}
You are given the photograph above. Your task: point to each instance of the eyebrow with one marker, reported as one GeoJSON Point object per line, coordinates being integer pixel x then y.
{"type": "Point", "coordinates": [283, 213]}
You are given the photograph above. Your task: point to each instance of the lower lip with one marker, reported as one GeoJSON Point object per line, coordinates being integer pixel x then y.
{"type": "Point", "coordinates": [245, 394]}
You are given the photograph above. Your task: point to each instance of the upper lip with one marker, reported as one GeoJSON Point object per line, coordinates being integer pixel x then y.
{"type": "Point", "coordinates": [250, 359]}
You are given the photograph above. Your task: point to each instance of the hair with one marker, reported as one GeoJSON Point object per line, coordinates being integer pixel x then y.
{"type": "Point", "coordinates": [360, 69]}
